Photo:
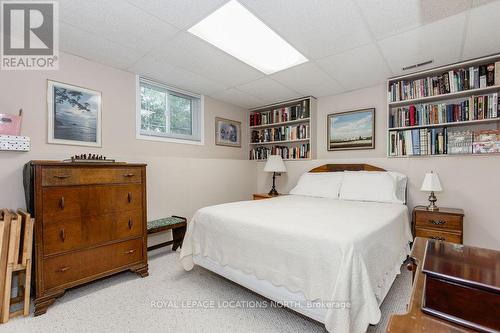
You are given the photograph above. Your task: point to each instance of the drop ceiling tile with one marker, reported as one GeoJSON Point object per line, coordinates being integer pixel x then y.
{"type": "Point", "coordinates": [117, 21]}
{"type": "Point", "coordinates": [308, 79]}
{"type": "Point", "coordinates": [440, 41]}
{"type": "Point", "coordinates": [389, 17]}
{"type": "Point", "coordinates": [357, 68]}
{"type": "Point", "coordinates": [237, 97]}
{"type": "Point", "coordinates": [477, 3]}
{"type": "Point", "coordinates": [174, 76]}
{"type": "Point", "coordinates": [268, 90]}
{"type": "Point", "coordinates": [181, 13]}
{"type": "Point", "coordinates": [316, 28]}
{"type": "Point", "coordinates": [191, 53]}
{"type": "Point", "coordinates": [95, 48]}
{"type": "Point", "coordinates": [483, 36]}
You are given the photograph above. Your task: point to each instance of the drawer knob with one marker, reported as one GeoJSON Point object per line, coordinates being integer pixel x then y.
{"type": "Point", "coordinates": [129, 197]}
{"type": "Point", "coordinates": [129, 251]}
{"type": "Point", "coordinates": [61, 176]}
{"type": "Point", "coordinates": [437, 222]}
{"type": "Point", "coordinates": [63, 269]}
{"type": "Point", "coordinates": [62, 235]}
{"type": "Point", "coordinates": [438, 238]}
{"type": "Point", "coordinates": [128, 175]}
{"type": "Point", "coordinates": [130, 223]}
{"type": "Point", "coordinates": [61, 203]}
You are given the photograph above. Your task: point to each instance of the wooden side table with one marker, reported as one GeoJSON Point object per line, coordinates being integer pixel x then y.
{"type": "Point", "coordinates": [416, 321]}
{"type": "Point", "coordinates": [260, 196]}
{"type": "Point", "coordinates": [445, 224]}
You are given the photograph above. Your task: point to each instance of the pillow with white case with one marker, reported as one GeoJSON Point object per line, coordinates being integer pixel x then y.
{"type": "Point", "coordinates": [370, 186]}
{"type": "Point", "coordinates": [319, 184]}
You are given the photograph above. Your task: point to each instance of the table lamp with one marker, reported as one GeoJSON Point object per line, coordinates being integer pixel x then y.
{"type": "Point", "coordinates": [431, 184]}
{"type": "Point", "coordinates": [274, 164]}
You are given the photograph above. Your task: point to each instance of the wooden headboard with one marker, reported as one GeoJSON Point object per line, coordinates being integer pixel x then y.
{"type": "Point", "coordinates": [346, 167]}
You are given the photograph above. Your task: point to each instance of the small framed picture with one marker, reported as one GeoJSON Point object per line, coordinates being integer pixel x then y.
{"type": "Point", "coordinates": [351, 130]}
{"type": "Point", "coordinates": [227, 132]}
{"type": "Point", "coordinates": [74, 115]}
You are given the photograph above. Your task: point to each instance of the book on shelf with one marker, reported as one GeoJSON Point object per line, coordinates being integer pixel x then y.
{"type": "Point", "coordinates": [282, 133]}
{"type": "Point", "coordinates": [452, 81]}
{"type": "Point", "coordinates": [471, 108]}
{"type": "Point", "coordinates": [280, 115]}
{"type": "Point", "coordinates": [486, 142]}
{"type": "Point", "coordinates": [443, 141]}
{"type": "Point", "coordinates": [302, 151]}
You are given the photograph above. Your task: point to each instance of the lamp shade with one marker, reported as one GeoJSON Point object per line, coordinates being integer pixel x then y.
{"type": "Point", "coordinates": [275, 164]}
{"type": "Point", "coordinates": [431, 183]}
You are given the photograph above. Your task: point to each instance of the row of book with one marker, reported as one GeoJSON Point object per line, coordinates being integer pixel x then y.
{"type": "Point", "coordinates": [472, 108]}
{"type": "Point", "coordinates": [280, 115]}
{"type": "Point", "coordinates": [287, 153]}
{"type": "Point", "coordinates": [439, 141]}
{"type": "Point", "coordinates": [283, 133]}
{"type": "Point", "coordinates": [448, 82]}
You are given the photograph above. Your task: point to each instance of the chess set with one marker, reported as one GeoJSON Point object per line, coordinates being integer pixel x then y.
{"type": "Point", "coordinates": [89, 158]}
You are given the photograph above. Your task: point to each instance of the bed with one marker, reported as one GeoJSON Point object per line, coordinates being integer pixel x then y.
{"type": "Point", "coordinates": [330, 258]}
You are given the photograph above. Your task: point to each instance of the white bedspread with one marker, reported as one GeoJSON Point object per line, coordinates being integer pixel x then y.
{"type": "Point", "coordinates": [330, 250]}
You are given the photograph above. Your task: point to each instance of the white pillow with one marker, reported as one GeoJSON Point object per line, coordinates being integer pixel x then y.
{"type": "Point", "coordinates": [369, 186]}
{"type": "Point", "coordinates": [401, 182]}
{"type": "Point", "coordinates": [319, 184]}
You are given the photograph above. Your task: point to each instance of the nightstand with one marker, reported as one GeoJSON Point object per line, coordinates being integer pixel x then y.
{"type": "Point", "coordinates": [260, 196]}
{"type": "Point", "coordinates": [445, 224]}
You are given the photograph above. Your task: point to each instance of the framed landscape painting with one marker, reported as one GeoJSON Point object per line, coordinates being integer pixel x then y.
{"type": "Point", "coordinates": [227, 132]}
{"type": "Point", "coordinates": [74, 115]}
{"type": "Point", "coordinates": [351, 130]}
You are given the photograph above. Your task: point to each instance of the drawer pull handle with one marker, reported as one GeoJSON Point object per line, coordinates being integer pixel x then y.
{"type": "Point", "coordinates": [129, 197]}
{"type": "Point", "coordinates": [62, 234]}
{"type": "Point", "coordinates": [61, 203]}
{"type": "Point", "coordinates": [437, 222]}
{"type": "Point", "coordinates": [130, 223]}
{"type": "Point", "coordinates": [61, 176]}
{"type": "Point", "coordinates": [438, 238]}
{"type": "Point", "coordinates": [63, 269]}
{"type": "Point", "coordinates": [130, 252]}
{"type": "Point", "coordinates": [128, 175]}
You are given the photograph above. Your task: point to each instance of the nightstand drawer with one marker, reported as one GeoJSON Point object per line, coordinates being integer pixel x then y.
{"type": "Point", "coordinates": [438, 221]}
{"type": "Point", "coordinates": [439, 235]}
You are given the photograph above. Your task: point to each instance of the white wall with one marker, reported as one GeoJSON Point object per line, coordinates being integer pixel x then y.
{"type": "Point", "coordinates": [181, 178]}
{"type": "Point", "coordinates": [470, 182]}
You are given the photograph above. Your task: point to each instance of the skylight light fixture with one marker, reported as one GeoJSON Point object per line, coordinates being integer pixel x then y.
{"type": "Point", "coordinates": [233, 29]}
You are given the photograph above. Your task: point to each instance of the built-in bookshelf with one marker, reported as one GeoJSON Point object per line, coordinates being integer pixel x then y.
{"type": "Point", "coordinates": [287, 129]}
{"type": "Point", "coordinates": [444, 111]}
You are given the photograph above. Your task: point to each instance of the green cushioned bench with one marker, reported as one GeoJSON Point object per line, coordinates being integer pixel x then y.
{"type": "Point", "coordinates": [175, 223]}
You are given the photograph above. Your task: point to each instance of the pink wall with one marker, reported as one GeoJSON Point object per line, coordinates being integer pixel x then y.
{"type": "Point", "coordinates": [181, 178]}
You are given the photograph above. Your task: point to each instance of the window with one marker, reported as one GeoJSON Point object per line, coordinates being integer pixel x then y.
{"type": "Point", "coordinates": [168, 114]}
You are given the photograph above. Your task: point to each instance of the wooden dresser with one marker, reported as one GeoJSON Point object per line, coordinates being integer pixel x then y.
{"type": "Point", "coordinates": [90, 222]}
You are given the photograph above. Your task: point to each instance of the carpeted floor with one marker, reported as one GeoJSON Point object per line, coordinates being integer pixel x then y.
{"type": "Point", "coordinates": [127, 303]}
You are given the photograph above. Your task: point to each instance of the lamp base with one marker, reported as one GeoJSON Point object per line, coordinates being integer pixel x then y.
{"type": "Point", "coordinates": [273, 192]}
{"type": "Point", "coordinates": [432, 202]}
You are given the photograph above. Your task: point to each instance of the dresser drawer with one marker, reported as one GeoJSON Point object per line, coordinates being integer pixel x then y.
{"type": "Point", "coordinates": [128, 224]}
{"type": "Point", "coordinates": [70, 269]}
{"type": "Point", "coordinates": [439, 221]}
{"type": "Point", "coordinates": [65, 234]}
{"type": "Point", "coordinates": [64, 201]}
{"type": "Point", "coordinates": [60, 176]}
{"type": "Point", "coordinates": [93, 200]}
{"type": "Point", "coordinates": [439, 235]}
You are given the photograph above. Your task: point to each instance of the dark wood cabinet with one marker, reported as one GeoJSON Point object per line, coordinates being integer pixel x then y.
{"type": "Point", "coordinates": [90, 222]}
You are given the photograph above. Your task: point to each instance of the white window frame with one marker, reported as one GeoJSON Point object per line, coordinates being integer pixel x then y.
{"type": "Point", "coordinates": [201, 125]}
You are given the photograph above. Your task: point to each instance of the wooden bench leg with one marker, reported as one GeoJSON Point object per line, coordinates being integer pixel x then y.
{"type": "Point", "coordinates": [178, 236]}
